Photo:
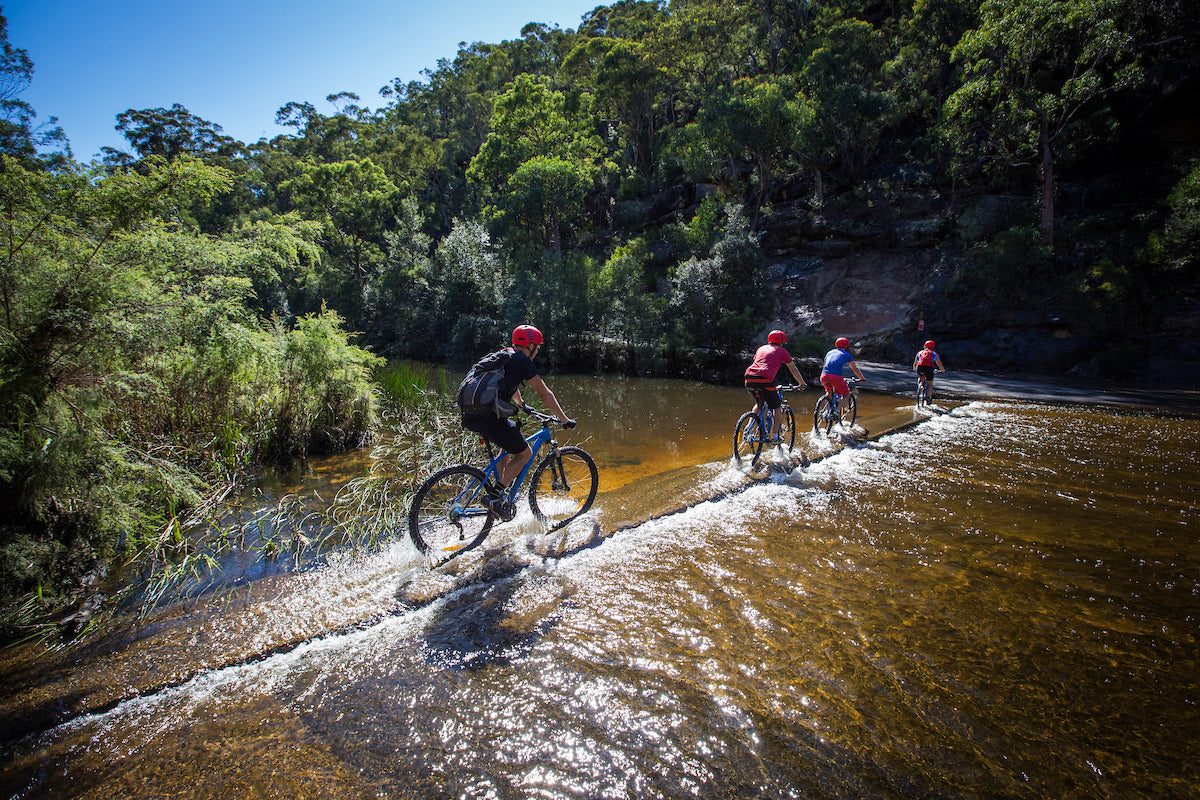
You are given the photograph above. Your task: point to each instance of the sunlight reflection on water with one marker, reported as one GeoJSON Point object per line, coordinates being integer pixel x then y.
{"type": "Point", "coordinates": [1000, 602]}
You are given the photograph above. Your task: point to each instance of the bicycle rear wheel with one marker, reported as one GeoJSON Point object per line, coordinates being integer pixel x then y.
{"type": "Point", "coordinates": [822, 418]}
{"type": "Point", "coordinates": [449, 513]}
{"type": "Point", "coordinates": [747, 439]}
{"type": "Point", "coordinates": [922, 393]}
{"type": "Point", "coordinates": [849, 410]}
{"type": "Point", "coordinates": [563, 486]}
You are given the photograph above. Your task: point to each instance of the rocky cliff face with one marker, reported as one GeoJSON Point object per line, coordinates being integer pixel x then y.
{"type": "Point", "coordinates": [889, 275]}
{"type": "Point", "coordinates": [896, 261]}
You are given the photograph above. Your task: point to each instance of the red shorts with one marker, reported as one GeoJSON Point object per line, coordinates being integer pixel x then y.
{"type": "Point", "coordinates": [837, 383]}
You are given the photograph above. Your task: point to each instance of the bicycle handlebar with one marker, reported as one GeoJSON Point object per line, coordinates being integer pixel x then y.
{"type": "Point", "coordinates": [546, 419]}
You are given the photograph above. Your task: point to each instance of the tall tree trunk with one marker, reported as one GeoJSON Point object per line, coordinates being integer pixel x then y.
{"type": "Point", "coordinates": [1047, 183]}
{"type": "Point", "coordinates": [555, 236]}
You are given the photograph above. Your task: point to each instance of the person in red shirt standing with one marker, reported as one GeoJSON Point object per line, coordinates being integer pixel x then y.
{"type": "Point", "coordinates": [760, 375]}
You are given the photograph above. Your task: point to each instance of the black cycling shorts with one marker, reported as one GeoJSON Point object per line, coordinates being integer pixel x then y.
{"type": "Point", "coordinates": [926, 370]}
{"type": "Point", "coordinates": [766, 393]}
{"type": "Point", "coordinates": [503, 433]}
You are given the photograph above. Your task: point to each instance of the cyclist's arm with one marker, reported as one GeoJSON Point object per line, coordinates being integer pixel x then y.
{"type": "Point", "coordinates": [938, 361]}
{"type": "Point", "coordinates": [857, 372]}
{"type": "Point", "coordinates": [791, 365]}
{"type": "Point", "coordinates": [548, 398]}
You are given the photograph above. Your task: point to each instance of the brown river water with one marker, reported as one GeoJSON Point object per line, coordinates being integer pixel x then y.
{"type": "Point", "coordinates": [1002, 601]}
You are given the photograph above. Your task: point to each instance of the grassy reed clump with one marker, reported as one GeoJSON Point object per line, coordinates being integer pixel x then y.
{"type": "Point", "coordinates": [135, 470]}
{"type": "Point", "coordinates": [418, 432]}
{"type": "Point", "coordinates": [425, 434]}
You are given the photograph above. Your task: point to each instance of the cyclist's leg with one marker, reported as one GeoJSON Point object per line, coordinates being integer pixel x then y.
{"type": "Point", "coordinates": [835, 389]}
{"type": "Point", "coordinates": [509, 437]}
{"type": "Point", "coordinates": [505, 434]}
{"type": "Point", "coordinates": [924, 383]}
{"type": "Point", "coordinates": [827, 384]}
{"type": "Point", "coordinates": [773, 400]}
{"type": "Point", "coordinates": [754, 388]}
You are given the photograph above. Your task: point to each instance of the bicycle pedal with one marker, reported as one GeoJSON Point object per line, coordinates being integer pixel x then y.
{"type": "Point", "coordinates": [503, 509]}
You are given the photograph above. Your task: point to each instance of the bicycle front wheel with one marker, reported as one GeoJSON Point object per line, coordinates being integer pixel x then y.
{"type": "Point", "coordinates": [849, 410]}
{"type": "Point", "coordinates": [747, 439]}
{"type": "Point", "coordinates": [563, 486]}
{"type": "Point", "coordinates": [822, 418]}
{"type": "Point", "coordinates": [449, 513]}
{"type": "Point", "coordinates": [787, 428]}
{"type": "Point", "coordinates": [922, 393]}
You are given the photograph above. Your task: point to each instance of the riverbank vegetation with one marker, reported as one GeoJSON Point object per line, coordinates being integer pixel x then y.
{"type": "Point", "coordinates": [180, 311]}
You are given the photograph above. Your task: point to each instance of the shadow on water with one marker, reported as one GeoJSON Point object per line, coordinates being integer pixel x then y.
{"type": "Point", "coordinates": [476, 627]}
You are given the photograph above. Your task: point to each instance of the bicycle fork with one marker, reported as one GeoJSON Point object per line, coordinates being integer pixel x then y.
{"type": "Point", "coordinates": [558, 473]}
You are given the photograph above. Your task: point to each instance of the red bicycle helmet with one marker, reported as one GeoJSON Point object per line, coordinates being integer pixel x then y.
{"type": "Point", "coordinates": [929, 345]}
{"type": "Point", "coordinates": [777, 337]}
{"type": "Point", "coordinates": [525, 336]}
{"type": "Point", "coordinates": [842, 342]}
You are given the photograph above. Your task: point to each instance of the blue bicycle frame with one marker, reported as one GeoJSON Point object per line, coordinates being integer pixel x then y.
{"type": "Point", "coordinates": [492, 471]}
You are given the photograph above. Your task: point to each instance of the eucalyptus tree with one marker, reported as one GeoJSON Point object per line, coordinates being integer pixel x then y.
{"type": "Point", "coordinates": [20, 136]}
{"type": "Point", "coordinates": [449, 109]}
{"type": "Point", "coordinates": [717, 298]}
{"type": "Point", "coordinates": [323, 137]}
{"type": "Point", "coordinates": [921, 73]}
{"type": "Point", "coordinates": [354, 201]}
{"type": "Point", "coordinates": [170, 133]}
{"type": "Point", "coordinates": [628, 89]}
{"type": "Point", "coordinates": [842, 80]}
{"type": "Point", "coordinates": [175, 132]}
{"type": "Point", "coordinates": [614, 61]}
{"type": "Point", "coordinates": [1037, 74]}
{"type": "Point", "coordinates": [539, 161]}
{"type": "Point", "coordinates": [754, 121]}
{"type": "Point", "coordinates": [784, 28]}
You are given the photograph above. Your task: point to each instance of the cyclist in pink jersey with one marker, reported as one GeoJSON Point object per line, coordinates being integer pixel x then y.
{"type": "Point", "coordinates": [760, 375]}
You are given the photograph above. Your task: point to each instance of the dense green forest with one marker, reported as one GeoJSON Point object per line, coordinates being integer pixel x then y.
{"type": "Point", "coordinates": [182, 310]}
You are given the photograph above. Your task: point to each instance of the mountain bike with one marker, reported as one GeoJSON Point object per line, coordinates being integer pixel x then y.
{"type": "Point", "coordinates": [924, 390]}
{"type": "Point", "coordinates": [455, 507]}
{"type": "Point", "coordinates": [826, 414]}
{"type": "Point", "coordinates": [754, 428]}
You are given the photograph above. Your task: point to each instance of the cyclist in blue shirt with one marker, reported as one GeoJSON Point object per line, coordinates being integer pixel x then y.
{"type": "Point", "coordinates": [832, 372]}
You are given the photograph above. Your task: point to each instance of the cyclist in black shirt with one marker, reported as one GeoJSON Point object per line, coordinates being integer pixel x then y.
{"type": "Point", "coordinates": [504, 432]}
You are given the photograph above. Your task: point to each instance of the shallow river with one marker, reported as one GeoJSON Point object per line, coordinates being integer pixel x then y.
{"type": "Point", "coordinates": [1003, 601]}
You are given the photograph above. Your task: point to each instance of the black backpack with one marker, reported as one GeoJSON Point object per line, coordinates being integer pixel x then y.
{"type": "Point", "coordinates": [479, 392]}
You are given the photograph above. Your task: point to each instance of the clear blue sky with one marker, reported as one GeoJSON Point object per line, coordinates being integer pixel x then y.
{"type": "Point", "coordinates": [236, 63]}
